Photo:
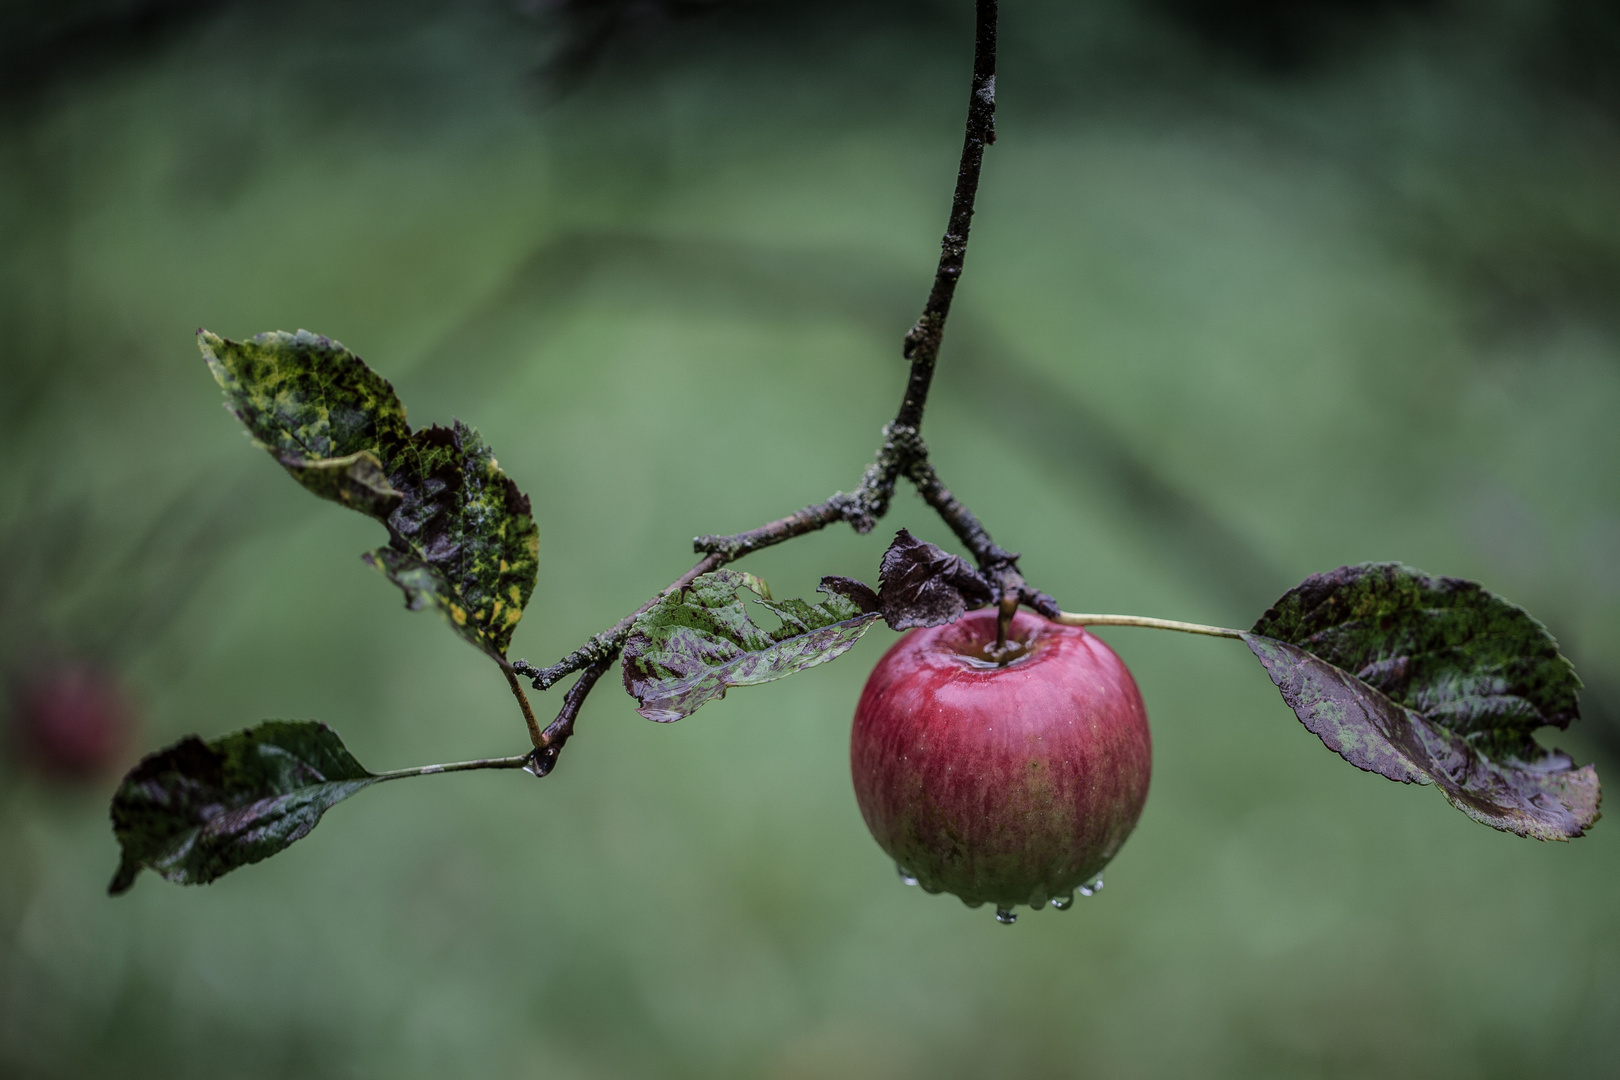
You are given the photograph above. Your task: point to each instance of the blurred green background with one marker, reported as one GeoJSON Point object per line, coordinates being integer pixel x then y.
{"type": "Point", "coordinates": [1257, 289]}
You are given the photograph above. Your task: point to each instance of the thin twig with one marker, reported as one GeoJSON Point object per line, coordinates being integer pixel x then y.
{"type": "Point", "coordinates": [922, 343]}
{"type": "Point", "coordinates": [557, 734]}
{"type": "Point", "coordinates": [1069, 618]}
{"type": "Point", "coordinates": [963, 522]}
{"type": "Point", "coordinates": [810, 519]}
{"type": "Point", "coordinates": [605, 646]}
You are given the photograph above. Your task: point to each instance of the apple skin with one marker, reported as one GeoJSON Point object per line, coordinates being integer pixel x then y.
{"type": "Point", "coordinates": [73, 719]}
{"type": "Point", "coordinates": [1003, 785]}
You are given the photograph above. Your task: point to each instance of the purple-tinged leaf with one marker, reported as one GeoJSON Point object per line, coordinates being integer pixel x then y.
{"type": "Point", "coordinates": [924, 585]}
{"type": "Point", "coordinates": [1433, 680]}
{"type": "Point", "coordinates": [694, 644]}
{"type": "Point", "coordinates": [856, 592]}
{"type": "Point", "coordinates": [197, 810]}
{"type": "Point", "coordinates": [463, 541]}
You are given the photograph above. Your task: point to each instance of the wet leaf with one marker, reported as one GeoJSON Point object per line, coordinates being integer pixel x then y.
{"type": "Point", "coordinates": [925, 585]}
{"type": "Point", "coordinates": [856, 592]}
{"type": "Point", "coordinates": [693, 645]}
{"type": "Point", "coordinates": [1433, 680]}
{"type": "Point", "coordinates": [197, 810]}
{"type": "Point", "coordinates": [323, 414]}
{"type": "Point", "coordinates": [462, 540]}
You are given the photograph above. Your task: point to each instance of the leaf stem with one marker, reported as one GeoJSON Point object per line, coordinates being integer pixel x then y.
{"type": "Point", "coordinates": [516, 762]}
{"type": "Point", "coordinates": [535, 735]}
{"type": "Point", "coordinates": [1069, 618]}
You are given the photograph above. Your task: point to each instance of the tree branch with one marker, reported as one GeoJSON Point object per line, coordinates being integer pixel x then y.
{"type": "Point", "coordinates": [922, 343]}
{"type": "Point", "coordinates": [604, 647]}
{"type": "Point", "coordinates": [902, 452]}
{"type": "Point", "coordinates": [557, 734]}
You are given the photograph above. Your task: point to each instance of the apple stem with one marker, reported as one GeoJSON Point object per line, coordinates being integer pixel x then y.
{"type": "Point", "coordinates": [1069, 618]}
{"type": "Point", "coordinates": [1004, 618]}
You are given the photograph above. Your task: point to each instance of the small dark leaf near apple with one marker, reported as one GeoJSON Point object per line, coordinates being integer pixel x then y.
{"type": "Point", "coordinates": [197, 810]}
{"type": "Point", "coordinates": [924, 585]}
{"type": "Point", "coordinates": [1433, 681]}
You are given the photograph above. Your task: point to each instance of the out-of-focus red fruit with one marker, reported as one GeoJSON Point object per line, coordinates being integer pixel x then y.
{"type": "Point", "coordinates": [73, 720]}
{"type": "Point", "coordinates": [1004, 784]}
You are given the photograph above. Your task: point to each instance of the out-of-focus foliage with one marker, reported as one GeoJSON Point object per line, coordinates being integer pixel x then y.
{"type": "Point", "coordinates": [1389, 265]}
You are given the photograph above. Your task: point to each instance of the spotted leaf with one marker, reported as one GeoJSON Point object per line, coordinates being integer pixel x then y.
{"type": "Point", "coordinates": [1433, 681]}
{"type": "Point", "coordinates": [323, 414]}
{"type": "Point", "coordinates": [694, 644]}
{"type": "Point", "coordinates": [462, 540]}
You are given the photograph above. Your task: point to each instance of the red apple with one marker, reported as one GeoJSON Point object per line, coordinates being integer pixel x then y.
{"type": "Point", "coordinates": [1009, 783]}
{"type": "Point", "coordinates": [73, 719]}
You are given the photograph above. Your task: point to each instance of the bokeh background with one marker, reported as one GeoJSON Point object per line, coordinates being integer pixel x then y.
{"type": "Point", "coordinates": [1257, 289]}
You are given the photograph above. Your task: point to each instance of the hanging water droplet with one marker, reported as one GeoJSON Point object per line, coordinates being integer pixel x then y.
{"type": "Point", "coordinates": [1064, 902]}
{"type": "Point", "coordinates": [905, 875]}
{"type": "Point", "coordinates": [1005, 917]}
{"type": "Point", "coordinates": [1037, 904]}
{"type": "Point", "coordinates": [1091, 889]}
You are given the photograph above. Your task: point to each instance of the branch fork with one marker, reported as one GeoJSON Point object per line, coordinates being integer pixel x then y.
{"type": "Point", "coordinates": [902, 453]}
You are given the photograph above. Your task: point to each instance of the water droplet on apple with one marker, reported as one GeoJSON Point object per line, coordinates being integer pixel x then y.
{"type": "Point", "coordinates": [1064, 902]}
{"type": "Point", "coordinates": [1005, 917]}
{"type": "Point", "coordinates": [1092, 889]}
{"type": "Point", "coordinates": [905, 875]}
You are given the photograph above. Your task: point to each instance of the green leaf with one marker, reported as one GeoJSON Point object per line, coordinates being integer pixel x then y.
{"type": "Point", "coordinates": [462, 540]}
{"type": "Point", "coordinates": [1433, 680]}
{"type": "Point", "coordinates": [694, 644]}
{"type": "Point", "coordinates": [328, 419]}
{"type": "Point", "coordinates": [197, 810]}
